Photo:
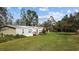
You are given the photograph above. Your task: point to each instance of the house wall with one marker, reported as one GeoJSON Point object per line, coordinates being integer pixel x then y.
{"type": "Point", "coordinates": [26, 32]}
{"type": "Point", "coordinates": [9, 31]}
{"type": "Point", "coordinates": [19, 31]}
{"type": "Point", "coordinates": [40, 30]}
{"type": "Point", "coordinates": [35, 31]}
{"type": "Point", "coordinates": [22, 30]}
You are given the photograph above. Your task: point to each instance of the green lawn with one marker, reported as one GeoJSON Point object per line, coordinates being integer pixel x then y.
{"type": "Point", "coordinates": [55, 41]}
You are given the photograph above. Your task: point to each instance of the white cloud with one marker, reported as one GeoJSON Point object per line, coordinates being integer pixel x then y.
{"type": "Point", "coordinates": [57, 15]}
{"type": "Point", "coordinates": [19, 8]}
{"type": "Point", "coordinates": [76, 10]}
{"type": "Point", "coordinates": [8, 8]}
{"type": "Point", "coordinates": [43, 9]}
{"type": "Point", "coordinates": [45, 16]}
{"type": "Point", "coordinates": [69, 11]}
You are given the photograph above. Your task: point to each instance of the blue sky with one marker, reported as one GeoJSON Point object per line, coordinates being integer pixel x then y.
{"type": "Point", "coordinates": [45, 12]}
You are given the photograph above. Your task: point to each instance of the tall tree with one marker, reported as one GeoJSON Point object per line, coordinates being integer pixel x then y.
{"type": "Point", "coordinates": [3, 16]}
{"type": "Point", "coordinates": [32, 17]}
{"type": "Point", "coordinates": [49, 24]}
{"type": "Point", "coordinates": [68, 24]}
{"type": "Point", "coordinates": [9, 18]}
{"type": "Point", "coordinates": [28, 17]}
{"type": "Point", "coordinates": [17, 22]}
{"type": "Point", "coordinates": [23, 20]}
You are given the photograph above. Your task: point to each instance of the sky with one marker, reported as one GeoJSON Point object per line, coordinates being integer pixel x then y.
{"type": "Point", "coordinates": [44, 12]}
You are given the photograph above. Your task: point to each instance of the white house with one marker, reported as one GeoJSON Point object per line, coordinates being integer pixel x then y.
{"type": "Point", "coordinates": [28, 30]}
{"type": "Point", "coordinates": [22, 30]}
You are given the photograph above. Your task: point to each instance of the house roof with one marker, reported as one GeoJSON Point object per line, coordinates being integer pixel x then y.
{"type": "Point", "coordinates": [23, 27]}
{"type": "Point", "coordinates": [8, 26]}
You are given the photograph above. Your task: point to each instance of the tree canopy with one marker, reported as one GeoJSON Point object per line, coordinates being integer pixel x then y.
{"type": "Point", "coordinates": [28, 18]}
{"type": "Point", "coordinates": [68, 24]}
{"type": "Point", "coordinates": [3, 16]}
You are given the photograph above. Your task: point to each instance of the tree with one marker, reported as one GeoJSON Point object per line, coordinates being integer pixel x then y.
{"type": "Point", "coordinates": [51, 20]}
{"type": "Point", "coordinates": [46, 25]}
{"type": "Point", "coordinates": [28, 18]}
{"type": "Point", "coordinates": [67, 24]}
{"type": "Point", "coordinates": [9, 18]}
{"type": "Point", "coordinates": [3, 16]}
{"type": "Point", "coordinates": [32, 17]}
{"type": "Point", "coordinates": [77, 20]}
{"type": "Point", "coordinates": [23, 20]}
{"type": "Point", "coordinates": [49, 24]}
{"type": "Point", "coordinates": [17, 22]}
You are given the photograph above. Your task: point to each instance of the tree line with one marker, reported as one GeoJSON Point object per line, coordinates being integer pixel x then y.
{"type": "Point", "coordinates": [69, 23]}
{"type": "Point", "coordinates": [5, 16]}
{"type": "Point", "coordinates": [27, 18]}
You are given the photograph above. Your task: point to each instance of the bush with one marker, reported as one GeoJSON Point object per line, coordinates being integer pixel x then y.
{"type": "Point", "coordinates": [5, 38]}
{"type": "Point", "coordinates": [19, 36]}
{"type": "Point", "coordinates": [44, 31]}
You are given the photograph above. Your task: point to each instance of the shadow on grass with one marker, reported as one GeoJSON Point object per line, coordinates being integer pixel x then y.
{"type": "Point", "coordinates": [66, 33]}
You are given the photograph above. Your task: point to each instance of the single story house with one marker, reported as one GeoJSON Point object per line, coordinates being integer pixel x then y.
{"type": "Point", "coordinates": [21, 30]}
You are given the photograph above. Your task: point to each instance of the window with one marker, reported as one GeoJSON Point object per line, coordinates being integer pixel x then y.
{"type": "Point", "coordinates": [22, 31]}
{"type": "Point", "coordinates": [29, 30]}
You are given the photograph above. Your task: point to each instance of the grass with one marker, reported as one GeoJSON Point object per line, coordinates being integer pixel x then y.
{"type": "Point", "coordinates": [5, 38]}
{"type": "Point", "coordinates": [55, 41]}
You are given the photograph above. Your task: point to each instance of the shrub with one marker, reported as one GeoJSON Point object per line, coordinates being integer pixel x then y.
{"type": "Point", "coordinates": [44, 31]}
{"type": "Point", "coordinates": [5, 38]}
{"type": "Point", "coordinates": [19, 36]}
